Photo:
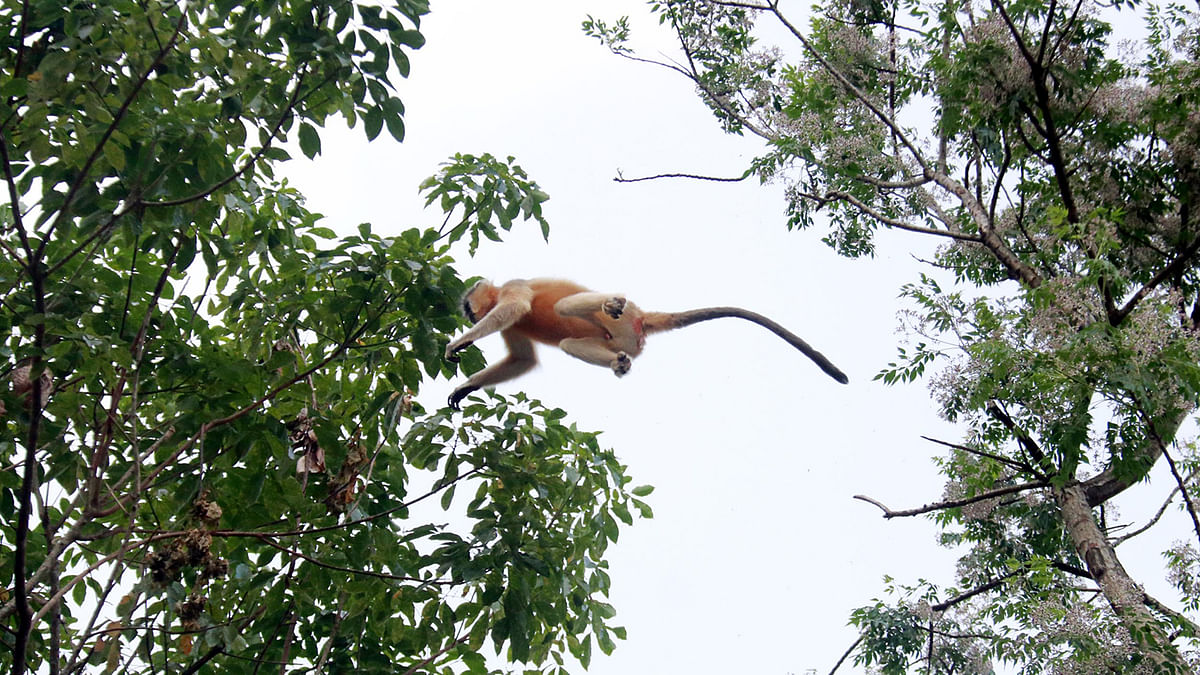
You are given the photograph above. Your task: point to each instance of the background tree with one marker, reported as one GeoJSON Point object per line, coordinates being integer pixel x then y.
{"type": "Point", "coordinates": [1057, 161]}
{"type": "Point", "coordinates": [214, 451]}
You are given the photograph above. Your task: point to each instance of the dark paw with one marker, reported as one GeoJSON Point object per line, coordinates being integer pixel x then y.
{"type": "Point", "coordinates": [614, 307]}
{"type": "Point", "coordinates": [621, 364]}
{"type": "Point", "coordinates": [453, 350]}
{"type": "Point", "coordinates": [457, 396]}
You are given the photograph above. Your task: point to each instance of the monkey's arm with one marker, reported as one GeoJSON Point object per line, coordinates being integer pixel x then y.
{"type": "Point", "coordinates": [513, 303]}
{"type": "Point", "coordinates": [521, 358]}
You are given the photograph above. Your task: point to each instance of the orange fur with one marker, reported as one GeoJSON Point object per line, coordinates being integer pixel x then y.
{"type": "Point", "coordinates": [547, 326]}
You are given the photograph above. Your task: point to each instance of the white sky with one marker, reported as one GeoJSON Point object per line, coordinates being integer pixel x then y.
{"type": "Point", "coordinates": [757, 552]}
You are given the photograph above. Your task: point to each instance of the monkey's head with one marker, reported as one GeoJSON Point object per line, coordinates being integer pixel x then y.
{"type": "Point", "coordinates": [479, 300]}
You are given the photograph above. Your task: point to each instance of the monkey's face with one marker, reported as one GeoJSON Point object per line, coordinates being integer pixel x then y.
{"type": "Point", "coordinates": [473, 302]}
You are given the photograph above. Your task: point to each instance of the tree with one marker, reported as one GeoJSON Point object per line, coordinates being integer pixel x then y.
{"type": "Point", "coordinates": [214, 450]}
{"type": "Point", "coordinates": [1053, 149]}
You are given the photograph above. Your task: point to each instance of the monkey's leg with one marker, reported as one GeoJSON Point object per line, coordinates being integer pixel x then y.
{"type": "Point", "coordinates": [520, 360]}
{"type": "Point", "coordinates": [597, 352]}
{"type": "Point", "coordinates": [587, 304]}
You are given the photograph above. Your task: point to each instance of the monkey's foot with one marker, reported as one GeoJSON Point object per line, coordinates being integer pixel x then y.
{"type": "Point", "coordinates": [614, 307]}
{"type": "Point", "coordinates": [621, 364]}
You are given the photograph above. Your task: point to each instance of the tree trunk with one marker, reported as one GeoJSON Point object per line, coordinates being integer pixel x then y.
{"type": "Point", "coordinates": [1125, 597]}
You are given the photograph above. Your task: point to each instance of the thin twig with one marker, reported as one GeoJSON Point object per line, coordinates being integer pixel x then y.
{"type": "Point", "coordinates": [1157, 516]}
{"type": "Point", "coordinates": [1023, 466]}
{"type": "Point", "coordinates": [984, 588]}
{"type": "Point", "coordinates": [349, 570]}
{"type": "Point", "coordinates": [1182, 485]}
{"type": "Point", "coordinates": [952, 503]}
{"type": "Point", "coordinates": [719, 179]}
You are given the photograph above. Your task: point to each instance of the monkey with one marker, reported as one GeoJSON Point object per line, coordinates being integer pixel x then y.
{"type": "Point", "coordinates": [602, 329]}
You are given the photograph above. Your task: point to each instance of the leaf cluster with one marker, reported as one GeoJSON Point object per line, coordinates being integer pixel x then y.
{"type": "Point", "coordinates": [210, 412]}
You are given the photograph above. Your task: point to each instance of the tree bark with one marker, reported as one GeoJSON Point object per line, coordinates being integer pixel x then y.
{"type": "Point", "coordinates": [1125, 597]}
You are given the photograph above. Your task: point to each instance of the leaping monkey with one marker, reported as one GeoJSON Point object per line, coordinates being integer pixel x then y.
{"type": "Point", "coordinates": [600, 328]}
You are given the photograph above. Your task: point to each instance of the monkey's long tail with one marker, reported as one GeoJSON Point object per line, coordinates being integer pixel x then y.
{"type": "Point", "coordinates": [660, 321]}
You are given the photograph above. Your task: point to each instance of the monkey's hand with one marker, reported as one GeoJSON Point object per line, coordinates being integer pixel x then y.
{"type": "Point", "coordinates": [620, 365]}
{"type": "Point", "coordinates": [614, 307]}
{"type": "Point", "coordinates": [457, 396]}
{"type": "Point", "coordinates": [453, 349]}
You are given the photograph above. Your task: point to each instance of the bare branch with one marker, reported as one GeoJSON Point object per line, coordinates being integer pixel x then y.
{"type": "Point", "coordinates": [983, 588]}
{"type": "Point", "coordinates": [1022, 466]}
{"type": "Point", "coordinates": [952, 503]}
{"type": "Point", "coordinates": [662, 64]}
{"type": "Point", "coordinates": [1181, 484]}
{"type": "Point", "coordinates": [719, 179]}
{"type": "Point", "coordinates": [1157, 516]}
{"type": "Point", "coordinates": [913, 182]}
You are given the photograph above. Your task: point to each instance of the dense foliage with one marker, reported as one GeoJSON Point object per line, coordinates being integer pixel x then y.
{"type": "Point", "coordinates": [1055, 149]}
{"type": "Point", "coordinates": [215, 453]}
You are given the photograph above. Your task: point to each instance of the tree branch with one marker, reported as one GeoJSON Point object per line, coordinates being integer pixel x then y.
{"type": "Point", "coordinates": [1184, 623]}
{"type": "Point", "coordinates": [846, 655]}
{"type": "Point", "coordinates": [73, 191]}
{"type": "Point", "coordinates": [269, 541]}
{"type": "Point", "coordinates": [1172, 268]}
{"type": "Point", "coordinates": [621, 179]}
{"type": "Point", "coordinates": [453, 643]}
{"type": "Point", "coordinates": [14, 200]}
{"type": "Point", "coordinates": [984, 588]}
{"type": "Point", "coordinates": [952, 503]}
{"type": "Point", "coordinates": [876, 215]}
{"type": "Point", "coordinates": [249, 163]}
{"type": "Point", "coordinates": [1030, 446]}
{"type": "Point", "coordinates": [22, 32]}
{"type": "Point", "coordinates": [1038, 73]}
{"type": "Point", "coordinates": [1181, 484]}
{"type": "Point", "coordinates": [1021, 466]}
{"type": "Point", "coordinates": [203, 660]}
{"type": "Point", "coordinates": [1157, 516]}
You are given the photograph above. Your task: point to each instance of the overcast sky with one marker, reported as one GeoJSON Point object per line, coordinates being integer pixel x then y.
{"type": "Point", "coordinates": [757, 552]}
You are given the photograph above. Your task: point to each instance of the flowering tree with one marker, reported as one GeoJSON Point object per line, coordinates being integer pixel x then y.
{"type": "Point", "coordinates": [1059, 163]}
{"type": "Point", "coordinates": [214, 450]}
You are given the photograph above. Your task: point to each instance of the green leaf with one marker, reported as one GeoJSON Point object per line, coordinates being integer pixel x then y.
{"type": "Point", "coordinates": [310, 141]}
{"type": "Point", "coordinates": [373, 122]}
{"type": "Point", "coordinates": [395, 126]}
{"type": "Point", "coordinates": [409, 38]}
